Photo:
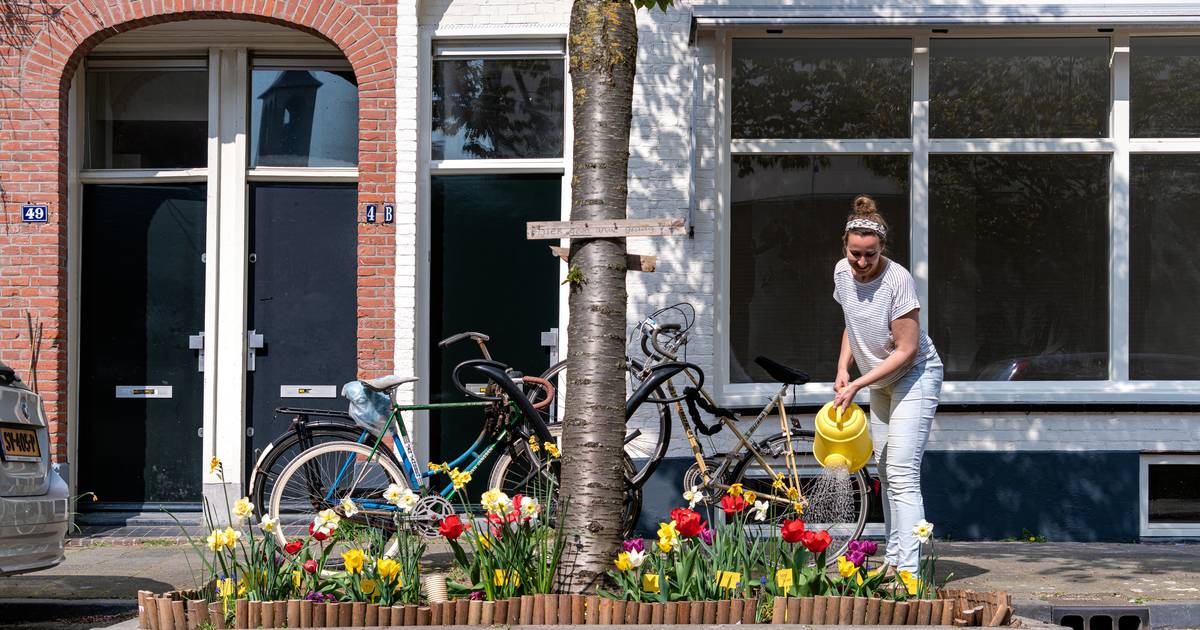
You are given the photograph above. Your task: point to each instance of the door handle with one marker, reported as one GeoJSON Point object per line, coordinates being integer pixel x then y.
{"type": "Point", "coordinates": [196, 342]}
{"type": "Point", "coordinates": [254, 342]}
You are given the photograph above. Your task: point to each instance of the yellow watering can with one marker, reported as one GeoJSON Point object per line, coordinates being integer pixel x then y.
{"type": "Point", "coordinates": [843, 438]}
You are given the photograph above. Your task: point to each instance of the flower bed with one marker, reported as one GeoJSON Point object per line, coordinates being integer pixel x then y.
{"type": "Point", "coordinates": [174, 611]}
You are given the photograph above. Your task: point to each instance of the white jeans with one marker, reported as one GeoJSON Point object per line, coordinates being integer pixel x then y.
{"type": "Point", "coordinates": [901, 415]}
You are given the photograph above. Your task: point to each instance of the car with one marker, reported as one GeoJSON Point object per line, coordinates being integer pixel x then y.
{"type": "Point", "coordinates": [33, 496]}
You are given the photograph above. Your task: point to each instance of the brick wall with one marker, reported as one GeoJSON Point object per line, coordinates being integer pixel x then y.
{"type": "Point", "coordinates": [42, 44]}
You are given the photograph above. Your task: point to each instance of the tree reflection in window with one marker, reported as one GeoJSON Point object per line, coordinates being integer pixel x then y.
{"type": "Point", "coordinates": [822, 88]}
{"type": "Point", "coordinates": [497, 109]}
{"type": "Point", "coordinates": [1019, 88]}
{"type": "Point", "coordinates": [1163, 103]}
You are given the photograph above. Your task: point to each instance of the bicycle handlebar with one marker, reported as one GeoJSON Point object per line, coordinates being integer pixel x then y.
{"type": "Point", "coordinates": [546, 386]}
{"type": "Point", "coordinates": [479, 338]}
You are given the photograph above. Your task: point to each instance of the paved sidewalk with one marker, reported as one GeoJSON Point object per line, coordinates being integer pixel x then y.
{"type": "Point", "coordinates": [1165, 577]}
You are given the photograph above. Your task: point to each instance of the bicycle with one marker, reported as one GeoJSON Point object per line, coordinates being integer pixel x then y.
{"type": "Point", "coordinates": [324, 475]}
{"type": "Point", "coordinates": [754, 464]}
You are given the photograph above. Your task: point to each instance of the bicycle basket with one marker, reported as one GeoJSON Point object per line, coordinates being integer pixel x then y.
{"type": "Point", "coordinates": [369, 409]}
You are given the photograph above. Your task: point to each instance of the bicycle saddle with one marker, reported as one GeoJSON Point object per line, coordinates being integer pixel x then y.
{"type": "Point", "coordinates": [386, 383]}
{"type": "Point", "coordinates": [781, 372]}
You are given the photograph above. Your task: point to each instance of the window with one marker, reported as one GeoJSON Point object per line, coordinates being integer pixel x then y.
{"type": "Point", "coordinates": [303, 117]}
{"type": "Point", "coordinates": [1040, 185]}
{"type": "Point", "coordinates": [154, 116]}
{"type": "Point", "coordinates": [1170, 488]}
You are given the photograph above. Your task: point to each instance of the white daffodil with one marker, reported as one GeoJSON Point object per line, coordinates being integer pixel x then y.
{"type": "Point", "coordinates": [694, 496]}
{"type": "Point", "coordinates": [326, 521]}
{"type": "Point", "coordinates": [268, 524]}
{"type": "Point", "coordinates": [496, 502]}
{"type": "Point", "coordinates": [529, 507]}
{"type": "Point", "coordinates": [393, 492]}
{"type": "Point", "coordinates": [242, 508]}
{"type": "Point", "coordinates": [760, 510]}
{"type": "Point", "coordinates": [348, 507]}
{"type": "Point", "coordinates": [636, 558]}
{"type": "Point", "coordinates": [923, 530]}
{"type": "Point", "coordinates": [408, 500]}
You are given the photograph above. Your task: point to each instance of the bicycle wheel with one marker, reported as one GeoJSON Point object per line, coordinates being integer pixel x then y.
{"type": "Point", "coordinates": [645, 444]}
{"type": "Point", "coordinates": [322, 476]}
{"type": "Point", "coordinates": [837, 504]}
{"type": "Point", "coordinates": [285, 448]}
{"type": "Point", "coordinates": [517, 471]}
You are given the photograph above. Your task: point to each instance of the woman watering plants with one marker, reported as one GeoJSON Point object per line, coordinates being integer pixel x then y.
{"type": "Point", "coordinates": [899, 364]}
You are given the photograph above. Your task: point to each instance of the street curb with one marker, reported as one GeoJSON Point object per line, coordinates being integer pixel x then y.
{"type": "Point", "coordinates": [33, 610]}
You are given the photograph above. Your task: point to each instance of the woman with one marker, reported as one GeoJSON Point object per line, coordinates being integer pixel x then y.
{"type": "Point", "coordinates": [897, 360]}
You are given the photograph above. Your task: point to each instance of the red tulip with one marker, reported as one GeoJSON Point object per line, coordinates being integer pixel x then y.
{"type": "Point", "coordinates": [816, 542]}
{"type": "Point", "coordinates": [318, 535]}
{"type": "Point", "coordinates": [451, 527]}
{"type": "Point", "coordinates": [732, 504]}
{"type": "Point", "coordinates": [687, 522]}
{"type": "Point", "coordinates": [792, 530]}
{"type": "Point", "coordinates": [294, 547]}
{"type": "Point", "coordinates": [310, 566]}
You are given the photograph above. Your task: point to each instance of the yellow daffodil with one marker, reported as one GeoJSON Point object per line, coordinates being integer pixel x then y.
{"type": "Point", "coordinates": [214, 466]}
{"type": "Point", "coordinates": [750, 497]}
{"type": "Point", "coordinates": [735, 490]}
{"type": "Point", "coordinates": [909, 581]}
{"type": "Point", "coordinates": [667, 533]}
{"type": "Point", "coordinates": [354, 560]}
{"type": "Point", "coordinates": [664, 546]}
{"type": "Point", "coordinates": [622, 561]}
{"type": "Point", "coordinates": [437, 467]}
{"type": "Point", "coordinates": [388, 569]}
{"type": "Point", "coordinates": [242, 508]}
{"type": "Point", "coordinates": [230, 537]}
{"type": "Point", "coordinates": [552, 450]}
{"type": "Point", "coordinates": [778, 485]}
{"type": "Point", "coordinates": [459, 479]}
{"type": "Point", "coordinates": [495, 502]}
{"type": "Point", "coordinates": [215, 540]}
{"type": "Point", "coordinates": [798, 507]}
{"type": "Point", "coordinates": [484, 542]}
{"type": "Point", "coordinates": [533, 444]}
{"type": "Point", "coordinates": [845, 567]}
{"type": "Point", "coordinates": [793, 493]}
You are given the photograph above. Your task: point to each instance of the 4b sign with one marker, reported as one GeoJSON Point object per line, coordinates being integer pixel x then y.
{"type": "Point", "coordinates": [34, 214]}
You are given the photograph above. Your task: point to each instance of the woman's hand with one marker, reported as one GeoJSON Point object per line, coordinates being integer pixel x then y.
{"type": "Point", "coordinates": [842, 380]}
{"type": "Point", "coordinates": [845, 396]}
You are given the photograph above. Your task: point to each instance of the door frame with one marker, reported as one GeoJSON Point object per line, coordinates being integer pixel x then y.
{"type": "Point", "coordinates": [227, 58]}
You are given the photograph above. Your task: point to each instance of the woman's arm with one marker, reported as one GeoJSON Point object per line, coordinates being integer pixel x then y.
{"type": "Point", "coordinates": [906, 331]}
{"type": "Point", "coordinates": [845, 358]}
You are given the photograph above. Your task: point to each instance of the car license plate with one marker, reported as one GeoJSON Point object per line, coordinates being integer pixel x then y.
{"type": "Point", "coordinates": [19, 445]}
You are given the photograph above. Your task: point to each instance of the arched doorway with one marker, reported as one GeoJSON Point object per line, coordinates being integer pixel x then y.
{"type": "Point", "coordinates": [217, 247]}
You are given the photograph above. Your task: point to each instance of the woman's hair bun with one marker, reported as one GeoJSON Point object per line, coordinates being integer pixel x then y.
{"type": "Point", "coordinates": [864, 205]}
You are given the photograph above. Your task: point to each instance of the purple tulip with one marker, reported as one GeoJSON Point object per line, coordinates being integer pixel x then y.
{"type": "Point", "coordinates": [868, 547]}
{"type": "Point", "coordinates": [476, 595]}
{"type": "Point", "coordinates": [857, 558]}
{"type": "Point", "coordinates": [634, 544]}
{"type": "Point", "coordinates": [707, 535]}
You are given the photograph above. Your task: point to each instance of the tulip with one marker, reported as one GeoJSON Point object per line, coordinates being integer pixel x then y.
{"type": "Point", "coordinates": [451, 527]}
{"type": "Point", "coordinates": [687, 522]}
{"type": "Point", "coordinates": [707, 535]}
{"type": "Point", "coordinates": [733, 504]}
{"type": "Point", "coordinates": [294, 547]}
{"type": "Point", "coordinates": [816, 542]}
{"type": "Point", "coordinates": [634, 544]}
{"type": "Point", "coordinates": [310, 566]}
{"type": "Point", "coordinates": [792, 530]}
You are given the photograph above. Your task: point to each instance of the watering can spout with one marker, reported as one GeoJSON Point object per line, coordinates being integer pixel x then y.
{"type": "Point", "coordinates": [842, 437]}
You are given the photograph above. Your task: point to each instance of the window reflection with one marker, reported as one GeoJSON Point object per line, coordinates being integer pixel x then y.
{"type": "Point", "coordinates": [1174, 493]}
{"type": "Point", "coordinates": [147, 118]}
{"type": "Point", "coordinates": [1164, 273]}
{"type": "Point", "coordinates": [822, 88]}
{"type": "Point", "coordinates": [1019, 88]}
{"type": "Point", "coordinates": [788, 217]}
{"type": "Point", "coordinates": [303, 118]}
{"type": "Point", "coordinates": [1018, 249]}
{"type": "Point", "coordinates": [1162, 102]}
{"type": "Point", "coordinates": [497, 108]}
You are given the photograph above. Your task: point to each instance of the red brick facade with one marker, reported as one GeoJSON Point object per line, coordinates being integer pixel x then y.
{"type": "Point", "coordinates": [39, 53]}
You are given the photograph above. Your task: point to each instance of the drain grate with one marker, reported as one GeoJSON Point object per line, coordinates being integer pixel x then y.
{"type": "Point", "coordinates": [1102, 617]}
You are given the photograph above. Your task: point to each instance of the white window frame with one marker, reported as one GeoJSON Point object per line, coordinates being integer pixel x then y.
{"type": "Point", "coordinates": [1164, 530]}
{"type": "Point", "coordinates": [1117, 145]}
{"type": "Point", "coordinates": [476, 44]}
{"type": "Point", "coordinates": [229, 63]}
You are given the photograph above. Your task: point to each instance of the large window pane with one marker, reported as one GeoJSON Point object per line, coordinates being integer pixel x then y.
{"type": "Point", "coordinates": [1164, 272]}
{"type": "Point", "coordinates": [1019, 88]}
{"type": "Point", "coordinates": [822, 88]}
{"type": "Point", "coordinates": [1163, 73]}
{"type": "Point", "coordinates": [1019, 266]}
{"type": "Point", "coordinates": [153, 118]}
{"type": "Point", "coordinates": [788, 217]}
{"type": "Point", "coordinates": [303, 118]}
{"type": "Point", "coordinates": [497, 108]}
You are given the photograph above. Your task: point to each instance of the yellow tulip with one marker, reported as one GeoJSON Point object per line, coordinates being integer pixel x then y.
{"type": "Point", "coordinates": [354, 560]}
{"type": "Point", "coordinates": [650, 583]}
{"type": "Point", "coordinates": [622, 561]}
{"type": "Point", "coordinates": [388, 569]}
{"type": "Point", "coordinates": [845, 567]}
{"type": "Point", "coordinates": [909, 581]}
{"type": "Point", "coordinates": [664, 546]}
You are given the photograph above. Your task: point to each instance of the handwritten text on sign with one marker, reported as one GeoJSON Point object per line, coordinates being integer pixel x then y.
{"type": "Point", "coordinates": [613, 228]}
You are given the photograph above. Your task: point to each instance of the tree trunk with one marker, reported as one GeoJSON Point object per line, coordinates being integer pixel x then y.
{"type": "Point", "coordinates": [603, 51]}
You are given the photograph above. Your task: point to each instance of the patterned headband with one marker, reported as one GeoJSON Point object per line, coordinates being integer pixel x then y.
{"type": "Point", "coordinates": [867, 224]}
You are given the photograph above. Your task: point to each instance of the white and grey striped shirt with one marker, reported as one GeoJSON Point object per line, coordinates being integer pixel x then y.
{"type": "Point", "coordinates": [870, 308]}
